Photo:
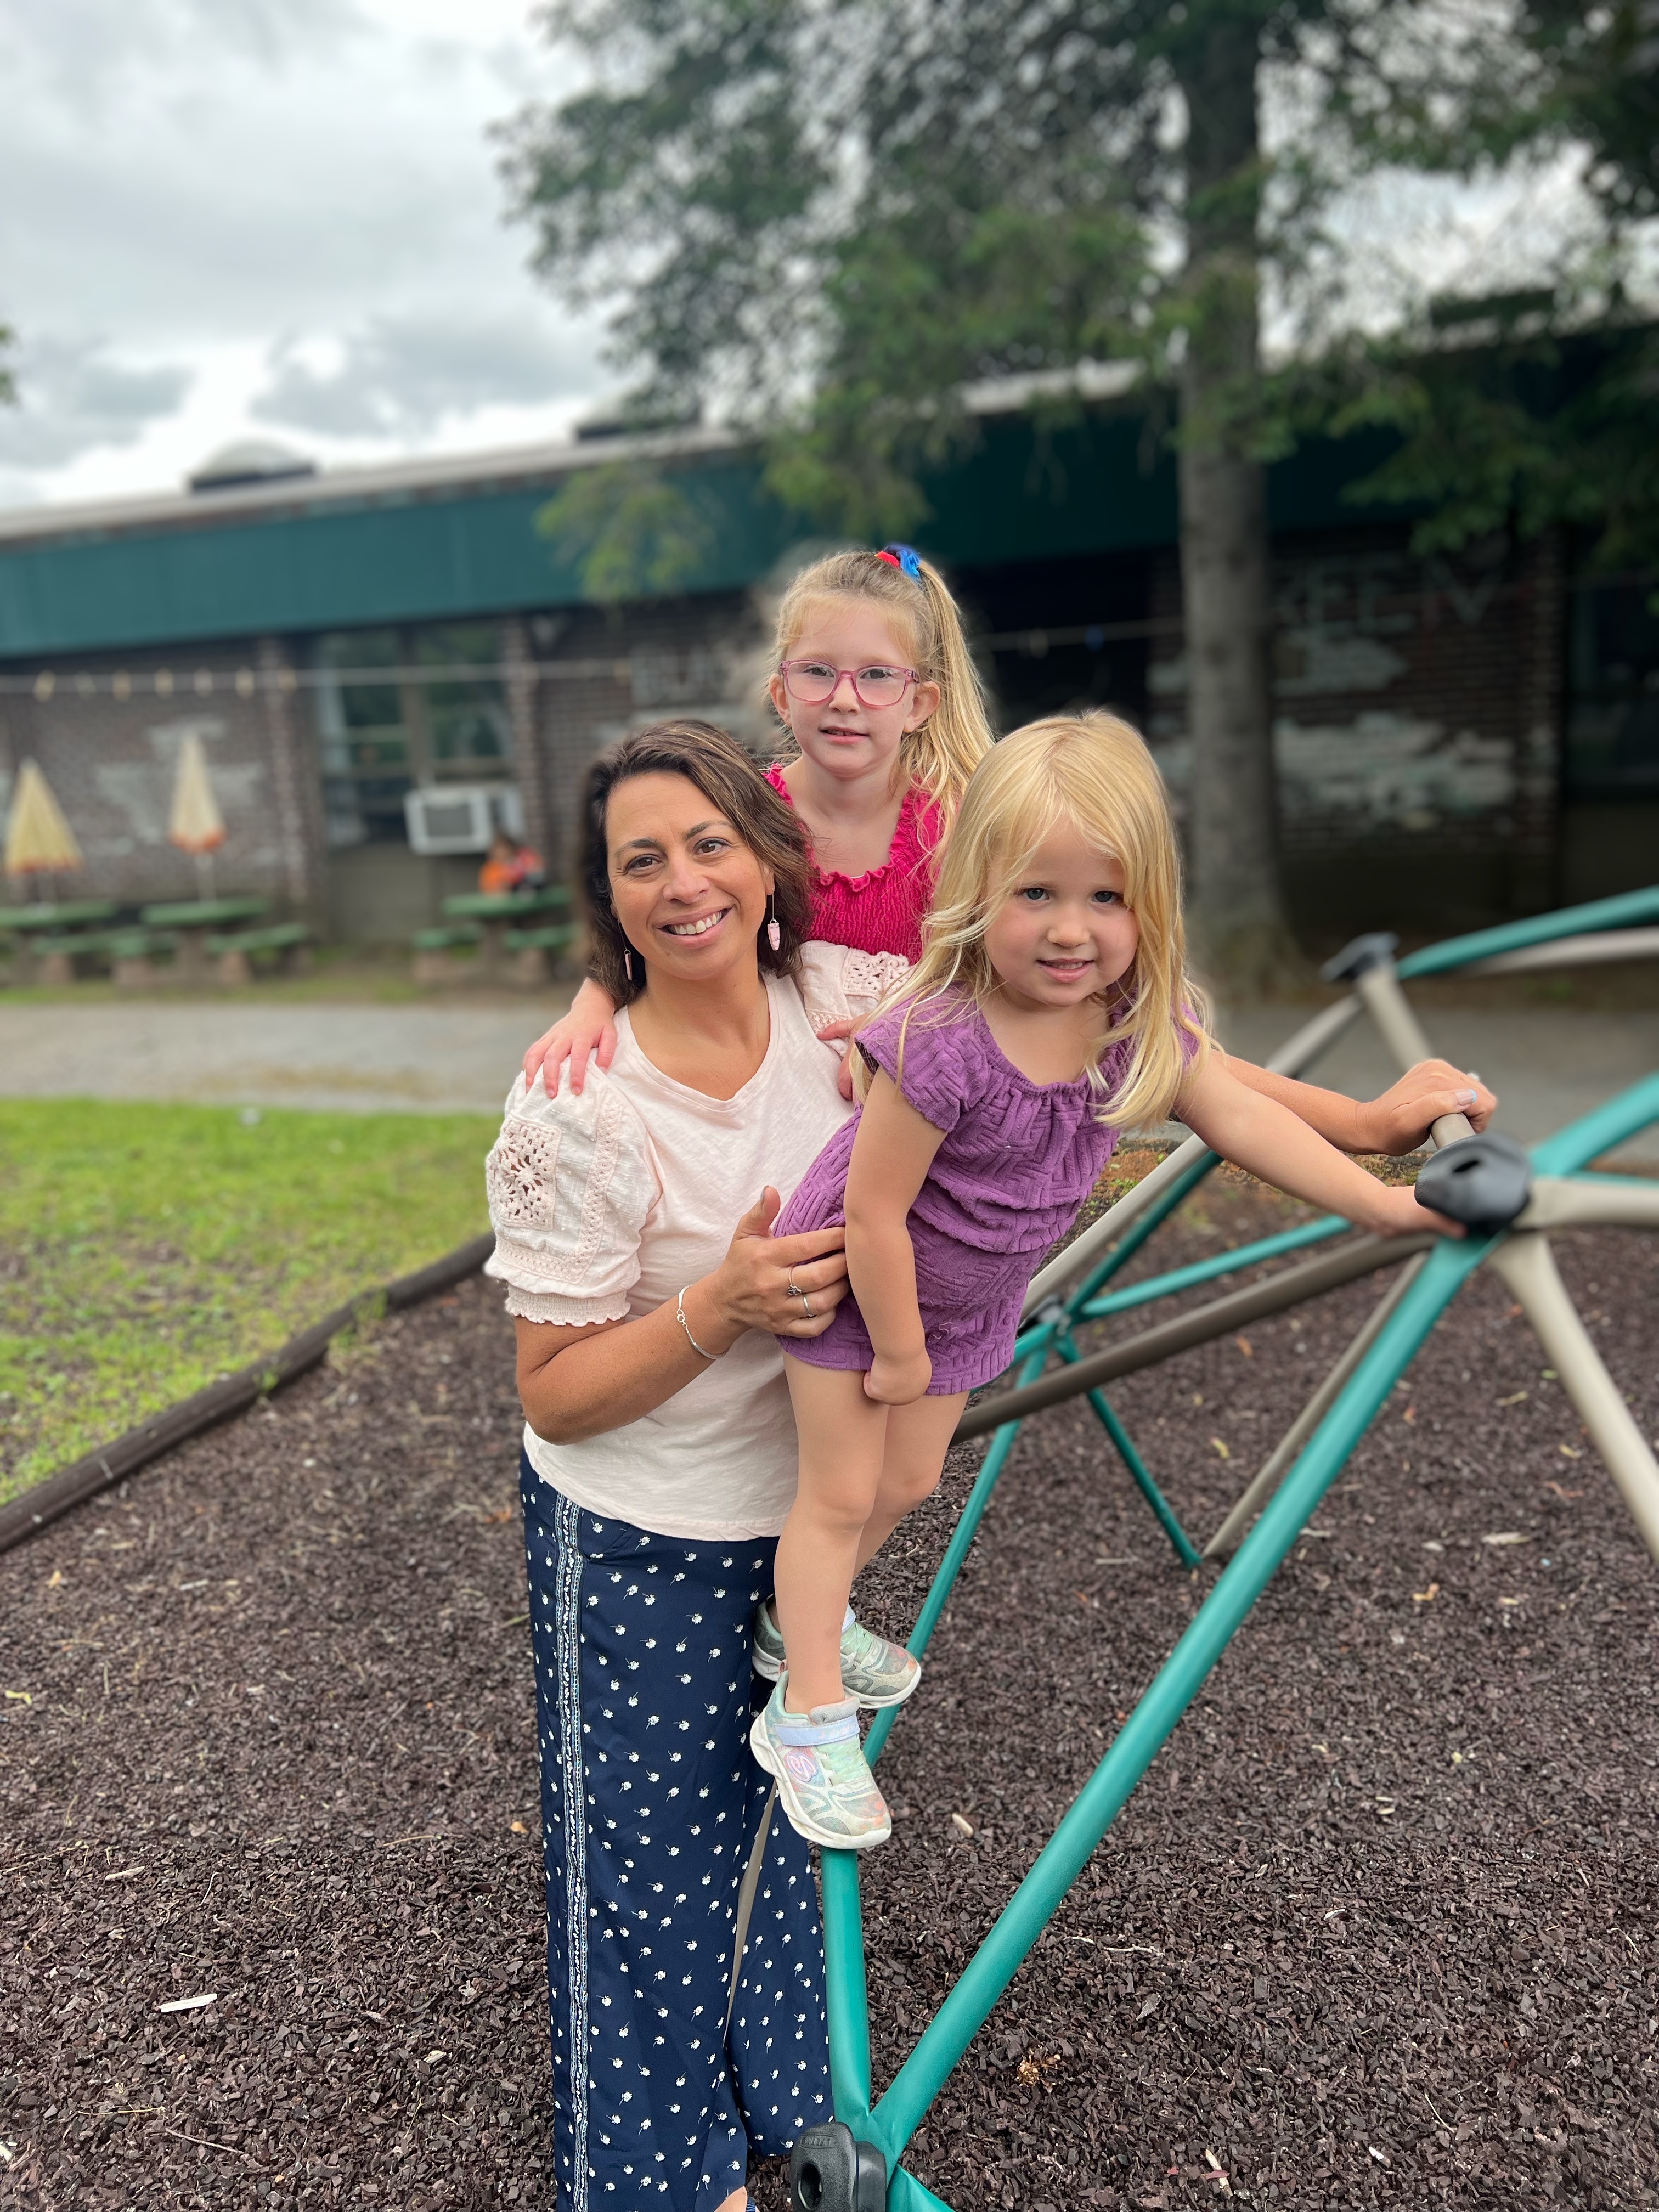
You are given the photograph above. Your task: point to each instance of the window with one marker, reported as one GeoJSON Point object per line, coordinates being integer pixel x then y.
{"type": "Point", "coordinates": [465, 714]}
{"type": "Point", "coordinates": [404, 710]}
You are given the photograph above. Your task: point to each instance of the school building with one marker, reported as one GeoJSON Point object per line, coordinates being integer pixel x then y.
{"type": "Point", "coordinates": [381, 663]}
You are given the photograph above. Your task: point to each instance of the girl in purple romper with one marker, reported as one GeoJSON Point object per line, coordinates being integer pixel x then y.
{"type": "Point", "coordinates": [1049, 1010]}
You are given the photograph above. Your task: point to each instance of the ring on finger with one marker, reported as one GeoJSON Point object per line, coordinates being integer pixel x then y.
{"type": "Point", "coordinates": [805, 1306]}
{"type": "Point", "coordinates": [793, 1289]}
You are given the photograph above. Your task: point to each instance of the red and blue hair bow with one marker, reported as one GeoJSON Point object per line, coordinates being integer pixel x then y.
{"type": "Point", "coordinates": [904, 557]}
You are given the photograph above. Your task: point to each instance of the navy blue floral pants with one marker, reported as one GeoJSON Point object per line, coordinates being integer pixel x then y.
{"type": "Point", "coordinates": [651, 1803]}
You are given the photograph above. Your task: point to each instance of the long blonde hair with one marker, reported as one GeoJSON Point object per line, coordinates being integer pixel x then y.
{"type": "Point", "coordinates": [1095, 773]}
{"type": "Point", "coordinates": [943, 752]}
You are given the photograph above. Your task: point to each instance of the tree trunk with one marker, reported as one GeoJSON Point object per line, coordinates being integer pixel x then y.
{"type": "Point", "coordinates": [1238, 909]}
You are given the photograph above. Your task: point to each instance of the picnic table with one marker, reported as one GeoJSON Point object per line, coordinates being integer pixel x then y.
{"type": "Point", "coordinates": [497, 912]}
{"type": "Point", "coordinates": [27, 922]}
{"type": "Point", "coordinates": [192, 922]}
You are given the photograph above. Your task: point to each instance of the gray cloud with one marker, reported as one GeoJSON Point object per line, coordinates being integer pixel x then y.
{"type": "Point", "coordinates": [403, 374]}
{"type": "Point", "coordinates": [228, 187]}
{"type": "Point", "coordinates": [80, 46]}
{"type": "Point", "coordinates": [71, 394]}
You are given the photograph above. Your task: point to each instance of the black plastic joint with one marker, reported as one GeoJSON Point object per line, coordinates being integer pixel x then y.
{"type": "Point", "coordinates": [1360, 956]}
{"type": "Point", "coordinates": [1483, 1182]}
{"type": "Point", "coordinates": [830, 2171]}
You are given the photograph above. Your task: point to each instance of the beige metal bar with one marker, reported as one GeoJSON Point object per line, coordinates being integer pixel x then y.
{"type": "Point", "coordinates": [1082, 1254]}
{"type": "Point", "coordinates": [1527, 1265]}
{"type": "Point", "coordinates": [1297, 1052]}
{"type": "Point", "coordinates": [1591, 950]}
{"type": "Point", "coordinates": [1557, 1203]}
{"type": "Point", "coordinates": [1230, 1535]}
{"type": "Point", "coordinates": [1402, 1033]}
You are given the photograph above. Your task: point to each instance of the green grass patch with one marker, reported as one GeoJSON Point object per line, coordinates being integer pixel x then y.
{"type": "Point", "coordinates": [146, 1250]}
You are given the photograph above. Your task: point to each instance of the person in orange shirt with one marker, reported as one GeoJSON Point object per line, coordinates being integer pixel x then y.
{"type": "Point", "coordinates": [510, 867]}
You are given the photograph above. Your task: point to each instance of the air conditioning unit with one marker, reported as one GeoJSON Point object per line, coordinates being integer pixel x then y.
{"type": "Point", "coordinates": [462, 817]}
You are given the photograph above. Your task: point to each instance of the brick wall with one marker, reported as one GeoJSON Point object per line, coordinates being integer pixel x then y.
{"type": "Point", "coordinates": [1416, 720]}
{"type": "Point", "coordinates": [1418, 712]}
{"type": "Point", "coordinates": [107, 738]}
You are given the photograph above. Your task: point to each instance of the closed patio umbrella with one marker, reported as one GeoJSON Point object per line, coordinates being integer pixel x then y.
{"type": "Point", "coordinates": [39, 840]}
{"type": "Point", "coordinates": [196, 825]}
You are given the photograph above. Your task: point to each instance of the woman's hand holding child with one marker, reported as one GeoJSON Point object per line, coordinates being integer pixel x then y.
{"type": "Point", "coordinates": [787, 1285]}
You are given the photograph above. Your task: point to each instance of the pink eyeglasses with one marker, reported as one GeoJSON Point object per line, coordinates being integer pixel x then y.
{"type": "Point", "coordinates": [812, 682]}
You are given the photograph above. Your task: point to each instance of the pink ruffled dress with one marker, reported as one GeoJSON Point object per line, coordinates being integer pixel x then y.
{"type": "Point", "coordinates": [881, 911]}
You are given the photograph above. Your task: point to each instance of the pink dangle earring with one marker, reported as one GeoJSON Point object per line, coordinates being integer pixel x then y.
{"type": "Point", "coordinates": [628, 962]}
{"type": "Point", "coordinates": [774, 927]}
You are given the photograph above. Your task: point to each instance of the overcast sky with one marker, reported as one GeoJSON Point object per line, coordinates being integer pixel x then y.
{"type": "Point", "coordinates": [281, 218]}
{"type": "Point", "coordinates": [221, 218]}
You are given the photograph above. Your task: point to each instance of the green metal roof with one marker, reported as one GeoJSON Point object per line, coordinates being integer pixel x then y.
{"type": "Point", "coordinates": [448, 540]}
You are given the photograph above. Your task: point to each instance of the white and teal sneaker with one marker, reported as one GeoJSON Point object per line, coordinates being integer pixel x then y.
{"type": "Point", "coordinates": [873, 1672]}
{"type": "Point", "coordinates": [824, 1781]}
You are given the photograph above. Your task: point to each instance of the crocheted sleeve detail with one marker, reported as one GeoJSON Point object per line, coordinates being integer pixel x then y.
{"type": "Point", "coordinates": [570, 1185]}
{"type": "Point", "coordinates": [839, 983]}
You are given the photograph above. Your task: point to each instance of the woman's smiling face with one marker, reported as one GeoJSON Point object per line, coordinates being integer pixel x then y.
{"type": "Point", "coordinates": [689, 895]}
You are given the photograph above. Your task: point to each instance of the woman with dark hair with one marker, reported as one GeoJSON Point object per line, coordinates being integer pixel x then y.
{"type": "Point", "coordinates": [659, 1465]}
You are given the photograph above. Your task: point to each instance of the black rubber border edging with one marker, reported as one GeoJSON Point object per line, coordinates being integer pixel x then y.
{"type": "Point", "coordinates": [83, 1479]}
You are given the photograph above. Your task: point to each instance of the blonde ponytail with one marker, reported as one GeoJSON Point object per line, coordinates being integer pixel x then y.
{"type": "Point", "coordinates": [943, 752]}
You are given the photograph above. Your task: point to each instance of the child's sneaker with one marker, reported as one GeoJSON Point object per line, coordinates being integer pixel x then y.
{"type": "Point", "coordinates": [873, 1671]}
{"type": "Point", "coordinates": [827, 1790]}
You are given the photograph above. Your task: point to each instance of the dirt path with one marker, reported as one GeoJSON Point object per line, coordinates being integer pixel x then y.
{"type": "Point", "coordinates": [1378, 1929]}
{"type": "Point", "coordinates": [442, 1058]}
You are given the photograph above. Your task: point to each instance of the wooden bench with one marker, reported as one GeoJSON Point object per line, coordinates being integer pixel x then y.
{"type": "Point", "coordinates": [434, 951]}
{"type": "Point", "coordinates": [233, 951]}
{"type": "Point", "coordinates": [531, 948]}
{"type": "Point", "coordinates": [128, 952]}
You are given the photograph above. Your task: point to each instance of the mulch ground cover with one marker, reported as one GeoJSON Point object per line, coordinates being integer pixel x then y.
{"type": "Point", "coordinates": [1377, 1930]}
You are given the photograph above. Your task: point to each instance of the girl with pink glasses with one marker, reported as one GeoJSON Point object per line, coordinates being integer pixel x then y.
{"type": "Point", "coordinates": [874, 682]}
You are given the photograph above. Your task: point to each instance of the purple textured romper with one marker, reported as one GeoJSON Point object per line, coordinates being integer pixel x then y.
{"type": "Point", "coordinates": [1018, 1161]}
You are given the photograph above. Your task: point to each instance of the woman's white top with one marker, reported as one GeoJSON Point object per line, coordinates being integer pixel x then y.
{"type": "Point", "coordinates": [604, 1205]}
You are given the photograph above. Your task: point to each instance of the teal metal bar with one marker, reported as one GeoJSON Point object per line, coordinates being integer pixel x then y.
{"type": "Point", "coordinates": [1106, 1414]}
{"type": "Point", "coordinates": [1034, 1904]}
{"type": "Point", "coordinates": [1620, 913]}
{"type": "Point", "coordinates": [990, 1473]}
{"type": "Point", "coordinates": [906, 2194]}
{"type": "Point", "coordinates": [1208, 1271]}
{"type": "Point", "coordinates": [847, 1994]}
{"type": "Point", "coordinates": [1121, 1254]}
{"type": "Point", "coordinates": [1615, 1123]}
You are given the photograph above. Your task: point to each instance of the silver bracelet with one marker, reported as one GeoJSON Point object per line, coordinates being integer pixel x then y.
{"type": "Point", "coordinates": [680, 1315]}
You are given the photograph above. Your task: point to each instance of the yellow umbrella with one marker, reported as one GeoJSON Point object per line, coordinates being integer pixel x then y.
{"type": "Point", "coordinates": [39, 840]}
{"type": "Point", "coordinates": [195, 824]}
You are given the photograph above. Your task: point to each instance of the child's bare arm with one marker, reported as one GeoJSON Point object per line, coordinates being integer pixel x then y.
{"type": "Point", "coordinates": [590, 1026]}
{"type": "Point", "coordinates": [891, 1154]}
{"type": "Point", "coordinates": [1258, 1132]}
{"type": "Point", "coordinates": [1398, 1121]}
